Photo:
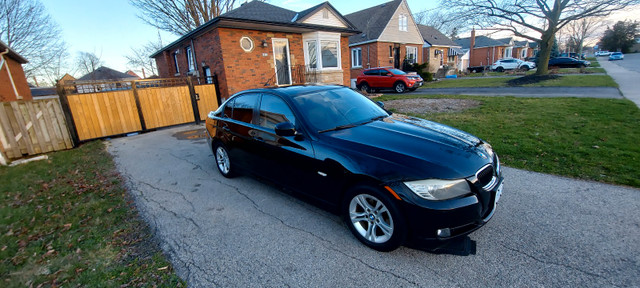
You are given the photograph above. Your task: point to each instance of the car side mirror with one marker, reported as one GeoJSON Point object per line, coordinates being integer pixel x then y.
{"type": "Point", "coordinates": [285, 129]}
{"type": "Point", "coordinates": [380, 103]}
{"type": "Point", "coordinates": [390, 74]}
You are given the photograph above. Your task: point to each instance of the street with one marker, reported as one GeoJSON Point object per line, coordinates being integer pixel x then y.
{"type": "Point", "coordinates": [240, 232]}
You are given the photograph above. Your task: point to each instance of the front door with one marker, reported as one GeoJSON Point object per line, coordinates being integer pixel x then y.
{"type": "Point", "coordinates": [396, 57]}
{"type": "Point", "coordinates": [207, 75]}
{"type": "Point", "coordinates": [281, 59]}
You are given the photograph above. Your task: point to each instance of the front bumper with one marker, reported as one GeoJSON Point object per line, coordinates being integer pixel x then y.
{"type": "Point", "coordinates": [417, 84]}
{"type": "Point", "coordinates": [444, 220]}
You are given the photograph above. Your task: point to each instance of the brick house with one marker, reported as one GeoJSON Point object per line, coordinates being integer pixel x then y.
{"type": "Point", "coordinates": [522, 49]}
{"type": "Point", "coordinates": [389, 35]}
{"type": "Point", "coordinates": [13, 83]}
{"type": "Point", "coordinates": [259, 44]}
{"type": "Point", "coordinates": [438, 50]}
{"type": "Point", "coordinates": [484, 50]}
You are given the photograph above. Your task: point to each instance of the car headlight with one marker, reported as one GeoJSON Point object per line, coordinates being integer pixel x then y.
{"type": "Point", "coordinates": [437, 189]}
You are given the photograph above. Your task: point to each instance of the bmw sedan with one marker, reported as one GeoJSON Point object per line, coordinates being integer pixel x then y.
{"type": "Point", "coordinates": [568, 62]}
{"type": "Point", "coordinates": [392, 178]}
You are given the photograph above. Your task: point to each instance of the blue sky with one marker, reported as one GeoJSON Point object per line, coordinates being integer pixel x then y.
{"type": "Point", "coordinates": [111, 28]}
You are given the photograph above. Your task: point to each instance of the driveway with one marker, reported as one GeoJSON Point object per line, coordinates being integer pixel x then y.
{"type": "Point", "coordinates": [548, 231]}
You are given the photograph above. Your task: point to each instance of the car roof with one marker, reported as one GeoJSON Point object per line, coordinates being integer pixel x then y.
{"type": "Point", "coordinates": [385, 67]}
{"type": "Point", "coordinates": [293, 90]}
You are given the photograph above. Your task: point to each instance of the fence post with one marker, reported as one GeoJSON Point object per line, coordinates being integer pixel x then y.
{"type": "Point", "coordinates": [143, 124]}
{"type": "Point", "coordinates": [217, 87]}
{"type": "Point", "coordinates": [66, 109]}
{"type": "Point", "coordinates": [194, 100]}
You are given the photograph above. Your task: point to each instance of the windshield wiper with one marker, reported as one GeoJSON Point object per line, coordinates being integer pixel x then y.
{"type": "Point", "coordinates": [354, 124]}
{"type": "Point", "coordinates": [339, 128]}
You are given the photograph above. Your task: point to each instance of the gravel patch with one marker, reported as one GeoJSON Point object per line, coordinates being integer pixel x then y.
{"type": "Point", "coordinates": [426, 106]}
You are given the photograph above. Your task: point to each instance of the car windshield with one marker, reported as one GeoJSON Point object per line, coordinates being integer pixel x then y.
{"type": "Point", "coordinates": [337, 109]}
{"type": "Point", "coordinates": [397, 72]}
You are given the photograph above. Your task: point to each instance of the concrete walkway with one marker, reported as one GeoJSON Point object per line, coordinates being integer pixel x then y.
{"type": "Point", "coordinates": [584, 92]}
{"type": "Point", "coordinates": [629, 81]}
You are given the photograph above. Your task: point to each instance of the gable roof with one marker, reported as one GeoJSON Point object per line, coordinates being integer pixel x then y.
{"type": "Point", "coordinates": [105, 73]}
{"type": "Point", "coordinates": [266, 17]}
{"type": "Point", "coordinates": [481, 42]}
{"type": "Point", "coordinates": [13, 54]}
{"type": "Point", "coordinates": [434, 37]}
{"type": "Point", "coordinates": [372, 21]}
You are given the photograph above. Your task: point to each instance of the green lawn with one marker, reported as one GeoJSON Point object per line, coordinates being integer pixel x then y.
{"type": "Point", "coordinates": [593, 139]}
{"type": "Point", "coordinates": [68, 222]}
{"type": "Point", "coordinates": [563, 81]}
{"type": "Point", "coordinates": [560, 71]}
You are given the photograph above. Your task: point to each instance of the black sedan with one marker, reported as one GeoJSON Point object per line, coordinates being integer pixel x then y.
{"type": "Point", "coordinates": [568, 62]}
{"type": "Point", "coordinates": [393, 178]}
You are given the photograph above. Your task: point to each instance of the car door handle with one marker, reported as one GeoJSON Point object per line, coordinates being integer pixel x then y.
{"type": "Point", "coordinates": [225, 128]}
{"type": "Point", "coordinates": [258, 139]}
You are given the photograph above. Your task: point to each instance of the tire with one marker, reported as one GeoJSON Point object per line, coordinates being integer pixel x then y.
{"type": "Point", "coordinates": [399, 87]}
{"type": "Point", "coordinates": [373, 218]}
{"type": "Point", "coordinates": [526, 68]}
{"type": "Point", "coordinates": [365, 87]}
{"type": "Point", "coordinates": [499, 69]}
{"type": "Point", "coordinates": [223, 161]}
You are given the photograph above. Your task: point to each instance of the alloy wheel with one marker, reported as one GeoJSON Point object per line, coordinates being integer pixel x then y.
{"type": "Point", "coordinates": [371, 218]}
{"type": "Point", "coordinates": [223, 161]}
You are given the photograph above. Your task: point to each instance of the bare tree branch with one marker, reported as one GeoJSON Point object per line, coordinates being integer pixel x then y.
{"type": "Point", "coordinates": [180, 16]}
{"type": "Point", "coordinates": [87, 62]}
{"type": "Point", "coordinates": [27, 28]}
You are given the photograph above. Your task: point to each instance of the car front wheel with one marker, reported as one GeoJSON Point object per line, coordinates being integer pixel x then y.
{"type": "Point", "coordinates": [223, 162]}
{"type": "Point", "coordinates": [399, 87]}
{"type": "Point", "coordinates": [499, 69]}
{"type": "Point", "coordinates": [374, 219]}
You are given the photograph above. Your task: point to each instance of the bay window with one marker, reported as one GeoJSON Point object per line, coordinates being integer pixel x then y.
{"type": "Point", "coordinates": [322, 50]}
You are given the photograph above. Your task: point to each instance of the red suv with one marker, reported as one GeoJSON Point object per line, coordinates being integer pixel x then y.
{"type": "Point", "coordinates": [387, 78]}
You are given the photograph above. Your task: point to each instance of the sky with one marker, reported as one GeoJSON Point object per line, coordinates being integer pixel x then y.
{"type": "Point", "coordinates": [110, 29]}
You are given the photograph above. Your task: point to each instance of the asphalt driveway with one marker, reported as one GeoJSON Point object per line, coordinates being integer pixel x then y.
{"type": "Point", "coordinates": [548, 231]}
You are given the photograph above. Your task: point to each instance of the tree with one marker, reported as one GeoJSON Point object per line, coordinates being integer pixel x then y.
{"type": "Point", "coordinates": [621, 37]}
{"type": "Point", "coordinates": [87, 62]}
{"type": "Point", "coordinates": [536, 20]}
{"type": "Point", "coordinates": [27, 28]}
{"type": "Point", "coordinates": [180, 16]}
{"type": "Point", "coordinates": [579, 31]}
{"type": "Point", "coordinates": [139, 58]}
{"type": "Point", "coordinates": [443, 20]}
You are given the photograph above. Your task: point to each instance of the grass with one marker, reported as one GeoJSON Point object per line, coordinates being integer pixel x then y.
{"type": "Point", "coordinates": [68, 221]}
{"type": "Point", "coordinates": [564, 81]}
{"type": "Point", "coordinates": [591, 139]}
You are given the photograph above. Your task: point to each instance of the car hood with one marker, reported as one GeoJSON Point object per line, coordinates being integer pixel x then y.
{"type": "Point", "coordinates": [406, 148]}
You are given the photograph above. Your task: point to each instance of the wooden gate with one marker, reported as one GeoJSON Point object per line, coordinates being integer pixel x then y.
{"type": "Point", "coordinates": [33, 127]}
{"type": "Point", "coordinates": [103, 109]}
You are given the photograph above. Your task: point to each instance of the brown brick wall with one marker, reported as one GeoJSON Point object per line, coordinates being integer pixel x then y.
{"type": "Point", "coordinates": [17, 73]}
{"type": "Point", "coordinates": [486, 55]}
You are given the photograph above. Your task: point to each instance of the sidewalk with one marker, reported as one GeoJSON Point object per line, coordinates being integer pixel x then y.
{"type": "Point", "coordinates": [629, 81]}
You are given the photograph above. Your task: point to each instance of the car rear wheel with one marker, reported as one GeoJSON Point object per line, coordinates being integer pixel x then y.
{"type": "Point", "coordinates": [525, 68]}
{"type": "Point", "coordinates": [223, 162]}
{"type": "Point", "coordinates": [500, 69]}
{"type": "Point", "coordinates": [364, 87]}
{"type": "Point", "coordinates": [399, 87]}
{"type": "Point", "coordinates": [374, 219]}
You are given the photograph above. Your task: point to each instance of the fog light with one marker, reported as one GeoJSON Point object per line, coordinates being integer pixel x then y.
{"type": "Point", "coordinates": [443, 233]}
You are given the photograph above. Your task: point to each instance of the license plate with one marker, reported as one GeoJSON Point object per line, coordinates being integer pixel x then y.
{"type": "Point", "coordinates": [499, 191]}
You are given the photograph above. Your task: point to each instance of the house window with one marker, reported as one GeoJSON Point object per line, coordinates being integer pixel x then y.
{"type": "Point", "coordinates": [390, 51]}
{"type": "Point", "coordinates": [402, 22]}
{"type": "Point", "coordinates": [523, 54]}
{"type": "Point", "coordinates": [322, 50]}
{"type": "Point", "coordinates": [356, 57]}
{"type": "Point", "coordinates": [190, 62]}
{"type": "Point", "coordinates": [412, 54]}
{"type": "Point", "coordinates": [175, 62]}
{"type": "Point", "coordinates": [508, 52]}
{"type": "Point", "coordinates": [246, 44]}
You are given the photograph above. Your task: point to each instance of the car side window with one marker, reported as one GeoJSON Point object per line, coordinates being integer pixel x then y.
{"type": "Point", "coordinates": [374, 72]}
{"type": "Point", "coordinates": [228, 109]}
{"type": "Point", "coordinates": [274, 110]}
{"type": "Point", "coordinates": [243, 107]}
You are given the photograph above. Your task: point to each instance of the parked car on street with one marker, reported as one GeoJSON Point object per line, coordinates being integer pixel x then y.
{"type": "Point", "coordinates": [387, 78]}
{"type": "Point", "coordinates": [602, 53]}
{"type": "Point", "coordinates": [392, 178]}
{"type": "Point", "coordinates": [568, 62]}
{"type": "Point", "coordinates": [573, 55]}
{"type": "Point", "coordinates": [512, 63]}
{"type": "Point", "coordinates": [616, 56]}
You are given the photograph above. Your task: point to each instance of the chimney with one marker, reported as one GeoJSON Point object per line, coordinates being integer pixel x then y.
{"type": "Point", "coordinates": [472, 43]}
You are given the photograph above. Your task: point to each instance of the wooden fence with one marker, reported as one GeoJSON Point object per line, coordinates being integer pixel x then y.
{"type": "Point", "coordinates": [103, 109]}
{"type": "Point", "coordinates": [33, 127]}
